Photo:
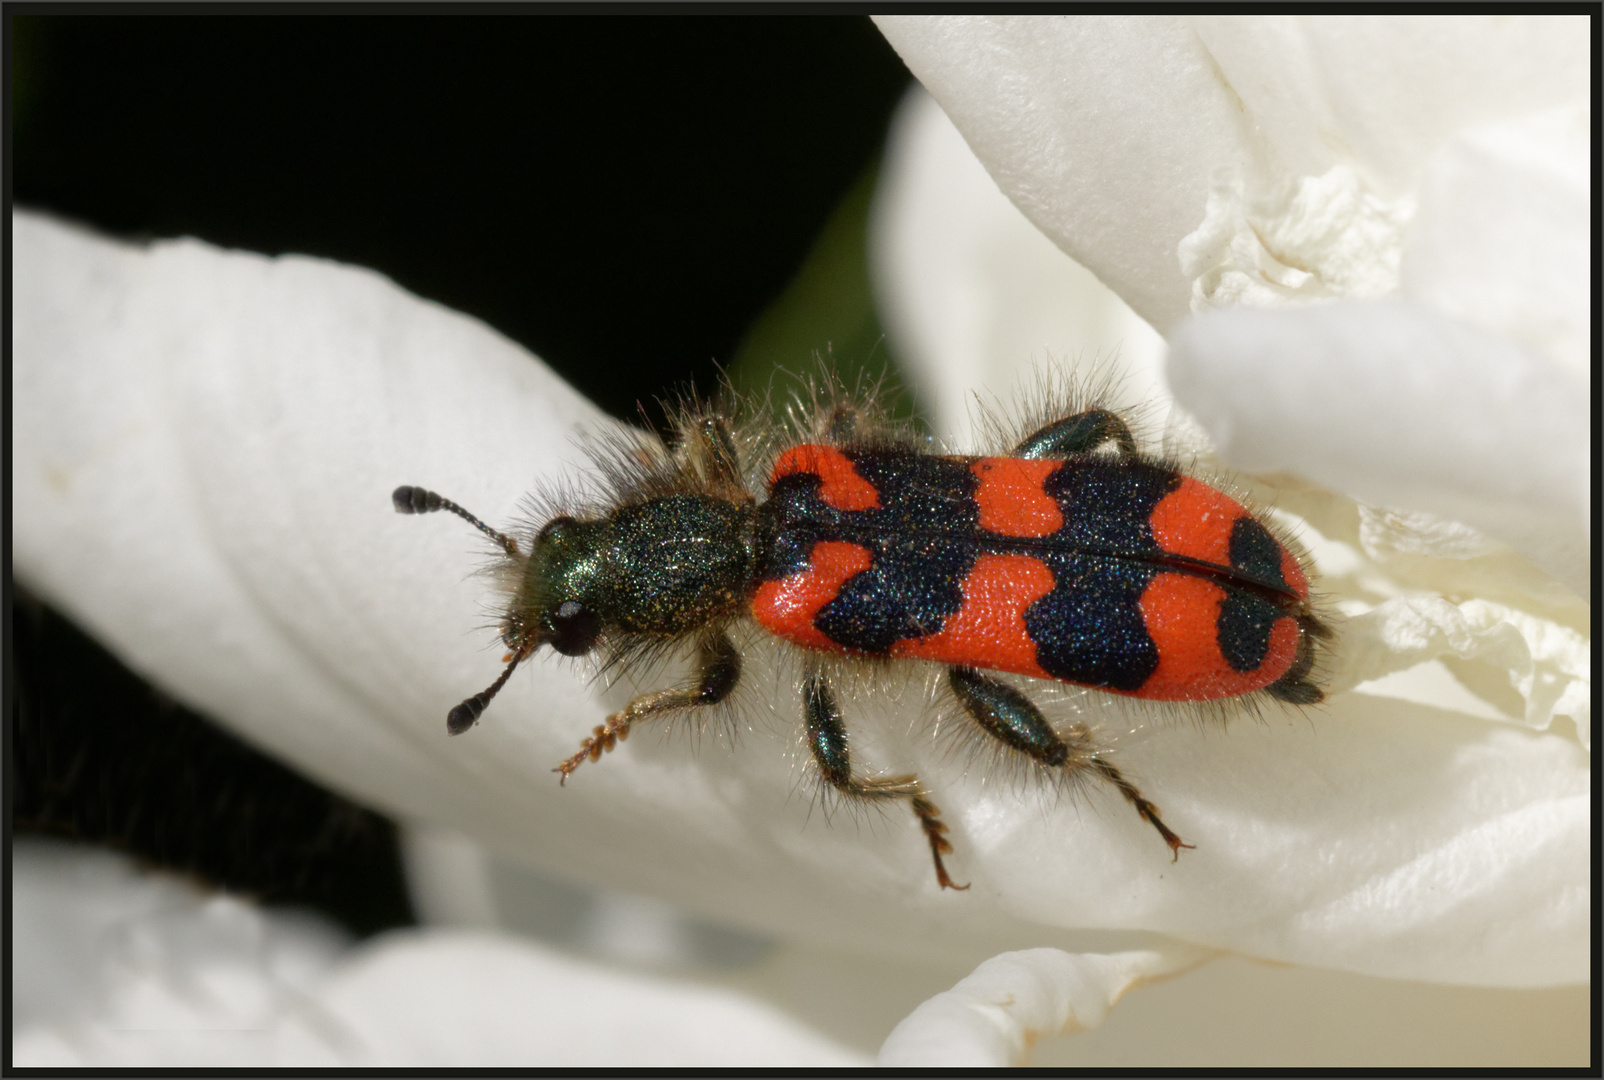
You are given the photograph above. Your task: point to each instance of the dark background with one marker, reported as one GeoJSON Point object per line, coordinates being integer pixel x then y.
{"type": "Point", "coordinates": [624, 195]}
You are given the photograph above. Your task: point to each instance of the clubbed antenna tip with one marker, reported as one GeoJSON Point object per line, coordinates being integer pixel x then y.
{"type": "Point", "coordinates": [464, 716]}
{"type": "Point", "coordinates": [416, 500]}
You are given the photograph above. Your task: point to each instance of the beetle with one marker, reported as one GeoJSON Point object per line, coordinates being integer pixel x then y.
{"type": "Point", "coordinates": [1073, 557]}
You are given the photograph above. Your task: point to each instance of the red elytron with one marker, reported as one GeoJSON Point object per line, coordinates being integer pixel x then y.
{"type": "Point", "coordinates": [971, 559]}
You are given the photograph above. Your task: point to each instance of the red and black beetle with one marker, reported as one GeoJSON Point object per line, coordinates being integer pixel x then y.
{"type": "Point", "coordinates": [1074, 557]}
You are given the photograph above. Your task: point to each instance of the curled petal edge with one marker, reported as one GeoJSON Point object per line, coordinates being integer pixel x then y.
{"type": "Point", "coordinates": [994, 1016]}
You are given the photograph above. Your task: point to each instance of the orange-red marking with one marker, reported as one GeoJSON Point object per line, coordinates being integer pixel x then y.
{"type": "Point", "coordinates": [842, 487]}
{"type": "Point", "coordinates": [1195, 520]}
{"type": "Point", "coordinates": [787, 607]}
{"type": "Point", "coordinates": [1182, 617]}
{"type": "Point", "coordinates": [1011, 499]}
{"type": "Point", "coordinates": [989, 629]}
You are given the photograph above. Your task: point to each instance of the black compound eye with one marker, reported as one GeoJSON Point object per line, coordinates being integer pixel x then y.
{"type": "Point", "coordinates": [574, 628]}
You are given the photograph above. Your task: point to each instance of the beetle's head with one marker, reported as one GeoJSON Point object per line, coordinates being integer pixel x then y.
{"type": "Point", "coordinates": [559, 600]}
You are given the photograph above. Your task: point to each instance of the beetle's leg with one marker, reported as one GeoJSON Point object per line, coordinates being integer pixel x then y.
{"type": "Point", "coordinates": [1011, 717]}
{"type": "Point", "coordinates": [1078, 434]}
{"type": "Point", "coordinates": [827, 738]}
{"type": "Point", "coordinates": [842, 423]}
{"type": "Point", "coordinates": [716, 449]}
{"type": "Point", "coordinates": [718, 671]}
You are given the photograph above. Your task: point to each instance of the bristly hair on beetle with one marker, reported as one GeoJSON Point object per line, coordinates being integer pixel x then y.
{"type": "Point", "coordinates": [1070, 557]}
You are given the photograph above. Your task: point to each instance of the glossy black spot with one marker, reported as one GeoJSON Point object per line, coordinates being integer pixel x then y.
{"type": "Point", "coordinates": [1106, 505]}
{"type": "Point", "coordinates": [1243, 627]}
{"type": "Point", "coordinates": [1256, 554]}
{"type": "Point", "coordinates": [922, 539]}
{"type": "Point", "coordinates": [919, 493]}
{"type": "Point", "coordinates": [1089, 628]}
{"type": "Point", "coordinates": [909, 591]}
{"type": "Point", "coordinates": [916, 579]}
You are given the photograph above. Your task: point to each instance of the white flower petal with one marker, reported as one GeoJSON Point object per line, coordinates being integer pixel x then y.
{"type": "Point", "coordinates": [973, 294]}
{"type": "Point", "coordinates": [122, 969]}
{"type": "Point", "coordinates": [992, 1018]}
{"type": "Point", "coordinates": [1233, 1014]}
{"type": "Point", "coordinates": [1103, 131]}
{"type": "Point", "coordinates": [204, 445]}
{"type": "Point", "coordinates": [1108, 131]}
{"type": "Point", "coordinates": [1313, 238]}
{"type": "Point", "coordinates": [1382, 92]}
{"type": "Point", "coordinates": [453, 999]}
{"type": "Point", "coordinates": [203, 450]}
{"type": "Point", "coordinates": [1546, 662]}
{"type": "Point", "coordinates": [97, 944]}
{"type": "Point", "coordinates": [1501, 239]}
{"type": "Point", "coordinates": [1401, 407]}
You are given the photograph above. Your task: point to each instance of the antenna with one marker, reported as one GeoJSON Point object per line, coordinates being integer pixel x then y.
{"type": "Point", "coordinates": [416, 500]}
{"type": "Point", "coordinates": [464, 716]}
